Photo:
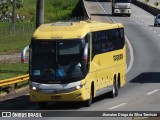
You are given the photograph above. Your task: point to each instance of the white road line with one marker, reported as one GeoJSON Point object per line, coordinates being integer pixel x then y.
{"type": "Point", "coordinates": [128, 42]}
{"type": "Point", "coordinates": [158, 34]}
{"type": "Point", "coordinates": [153, 92]}
{"type": "Point", "coordinates": [131, 55]}
{"type": "Point", "coordinates": [111, 108]}
{"type": "Point", "coordinates": [104, 10]}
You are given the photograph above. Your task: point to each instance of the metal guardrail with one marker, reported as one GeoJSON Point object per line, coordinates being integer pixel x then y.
{"type": "Point", "coordinates": [14, 80]}
{"type": "Point", "coordinates": [154, 11]}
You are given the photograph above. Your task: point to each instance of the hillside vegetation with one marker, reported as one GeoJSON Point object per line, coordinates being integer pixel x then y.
{"type": "Point", "coordinates": [54, 9]}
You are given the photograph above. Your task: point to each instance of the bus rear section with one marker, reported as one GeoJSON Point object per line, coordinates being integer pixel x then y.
{"type": "Point", "coordinates": [121, 7]}
{"type": "Point", "coordinates": [65, 65]}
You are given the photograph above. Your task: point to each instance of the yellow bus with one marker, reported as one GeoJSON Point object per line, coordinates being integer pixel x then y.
{"type": "Point", "coordinates": [76, 61]}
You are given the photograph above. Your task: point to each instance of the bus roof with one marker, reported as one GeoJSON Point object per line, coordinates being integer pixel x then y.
{"type": "Point", "coordinates": [71, 30]}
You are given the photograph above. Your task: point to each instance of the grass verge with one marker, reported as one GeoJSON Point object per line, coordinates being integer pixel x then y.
{"type": "Point", "coordinates": [14, 43]}
{"type": "Point", "coordinates": [12, 70]}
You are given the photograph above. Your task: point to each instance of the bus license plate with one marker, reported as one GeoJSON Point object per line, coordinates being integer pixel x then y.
{"type": "Point", "coordinates": [56, 97]}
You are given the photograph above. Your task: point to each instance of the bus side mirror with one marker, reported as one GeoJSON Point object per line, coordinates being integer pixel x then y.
{"type": "Point", "coordinates": [85, 59]}
{"type": "Point", "coordinates": [85, 54]}
{"type": "Point", "coordinates": [24, 58]}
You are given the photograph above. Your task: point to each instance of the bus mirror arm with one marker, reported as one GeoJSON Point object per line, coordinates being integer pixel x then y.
{"type": "Point", "coordinates": [23, 54]}
{"type": "Point", "coordinates": [85, 59]}
{"type": "Point", "coordinates": [85, 53]}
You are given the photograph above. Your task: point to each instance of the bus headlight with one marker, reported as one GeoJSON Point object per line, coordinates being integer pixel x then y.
{"type": "Point", "coordinates": [80, 86]}
{"type": "Point", "coordinates": [34, 85]}
{"type": "Point", "coordinates": [74, 88]}
{"type": "Point", "coordinates": [34, 88]}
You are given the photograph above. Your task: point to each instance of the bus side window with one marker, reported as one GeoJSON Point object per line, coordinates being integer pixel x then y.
{"type": "Point", "coordinates": [121, 38]}
{"type": "Point", "coordinates": [96, 43]}
{"type": "Point", "coordinates": [110, 41]}
{"type": "Point", "coordinates": [116, 38]}
{"type": "Point", "coordinates": [104, 42]}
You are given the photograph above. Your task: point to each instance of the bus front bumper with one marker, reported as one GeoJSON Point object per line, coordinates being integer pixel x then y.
{"type": "Point", "coordinates": [77, 95]}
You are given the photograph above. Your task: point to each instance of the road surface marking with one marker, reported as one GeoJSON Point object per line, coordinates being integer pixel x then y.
{"type": "Point", "coordinates": [104, 10]}
{"type": "Point", "coordinates": [129, 44]}
{"type": "Point", "coordinates": [150, 28]}
{"type": "Point", "coordinates": [153, 92]}
{"type": "Point", "coordinates": [111, 108]}
{"type": "Point", "coordinates": [155, 31]}
{"type": "Point", "coordinates": [131, 55]}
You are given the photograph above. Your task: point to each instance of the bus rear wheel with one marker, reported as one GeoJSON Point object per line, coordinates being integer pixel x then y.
{"type": "Point", "coordinates": [42, 105]}
{"type": "Point", "coordinates": [115, 89]}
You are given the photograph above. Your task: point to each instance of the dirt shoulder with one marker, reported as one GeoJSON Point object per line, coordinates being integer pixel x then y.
{"type": "Point", "coordinates": [11, 58]}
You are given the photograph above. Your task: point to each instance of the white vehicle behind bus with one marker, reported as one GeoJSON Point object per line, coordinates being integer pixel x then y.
{"type": "Point", "coordinates": [121, 7]}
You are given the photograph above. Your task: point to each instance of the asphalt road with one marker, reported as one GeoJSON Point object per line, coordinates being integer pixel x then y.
{"type": "Point", "coordinates": [144, 75]}
{"type": "Point", "coordinates": [141, 93]}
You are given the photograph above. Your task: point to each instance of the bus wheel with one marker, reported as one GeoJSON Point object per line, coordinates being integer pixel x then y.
{"type": "Point", "coordinates": [42, 105]}
{"type": "Point", "coordinates": [88, 103]}
{"type": "Point", "coordinates": [114, 92]}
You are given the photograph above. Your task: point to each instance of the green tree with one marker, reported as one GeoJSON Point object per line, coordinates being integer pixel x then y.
{"type": "Point", "coordinates": [156, 4]}
{"type": "Point", "coordinates": [146, 1]}
{"type": "Point", "coordinates": [8, 9]}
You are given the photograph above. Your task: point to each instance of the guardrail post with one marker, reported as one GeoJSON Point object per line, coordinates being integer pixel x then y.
{"type": "Point", "coordinates": [16, 86]}
{"type": "Point", "coordinates": [0, 90]}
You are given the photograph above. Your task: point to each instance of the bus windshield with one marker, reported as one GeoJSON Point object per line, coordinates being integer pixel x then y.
{"type": "Point", "coordinates": [56, 61]}
{"type": "Point", "coordinates": [122, 1]}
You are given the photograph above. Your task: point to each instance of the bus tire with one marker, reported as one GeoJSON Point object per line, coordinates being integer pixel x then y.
{"type": "Point", "coordinates": [42, 105]}
{"type": "Point", "coordinates": [115, 89]}
{"type": "Point", "coordinates": [88, 102]}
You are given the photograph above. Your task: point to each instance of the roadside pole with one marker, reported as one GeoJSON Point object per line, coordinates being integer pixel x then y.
{"type": "Point", "coordinates": [39, 13]}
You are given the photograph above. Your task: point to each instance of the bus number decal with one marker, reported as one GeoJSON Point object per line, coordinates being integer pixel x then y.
{"type": "Point", "coordinates": [117, 57]}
